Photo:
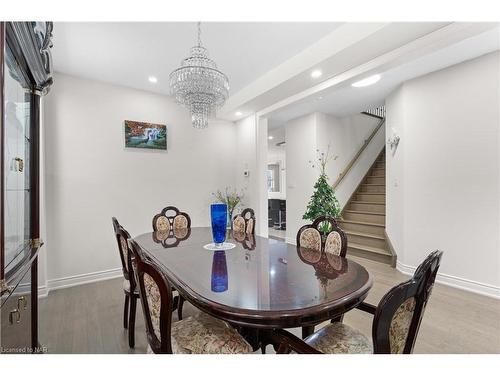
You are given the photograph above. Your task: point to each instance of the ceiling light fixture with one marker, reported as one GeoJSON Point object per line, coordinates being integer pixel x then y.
{"type": "Point", "coordinates": [199, 85]}
{"type": "Point", "coordinates": [152, 79]}
{"type": "Point", "coordinates": [270, 137]}
{"type": "Point", "coordinates": [367, 81]}
{"type": "Point", "coordinates": [238, 113]}
{"type": "Point", "coordinates": [316, 73]}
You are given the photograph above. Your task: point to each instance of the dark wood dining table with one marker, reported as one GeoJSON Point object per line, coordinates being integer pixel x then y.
{"type": "Point", "coordinates": [263, 283]}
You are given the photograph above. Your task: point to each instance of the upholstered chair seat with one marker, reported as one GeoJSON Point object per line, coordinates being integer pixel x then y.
{"type": "Point", "coordinates": [339, 338]}
{"type": "Point", "coordinates": [204, 334]}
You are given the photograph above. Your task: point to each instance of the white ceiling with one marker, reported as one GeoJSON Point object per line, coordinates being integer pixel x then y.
{"type": "Point", "coordinates": [343, 100]}
{"type": "Point", "coordinates": [127, 53]}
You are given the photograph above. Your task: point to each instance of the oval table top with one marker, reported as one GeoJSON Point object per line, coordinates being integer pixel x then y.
{"type": "Point", "coordinates": [262, 283]}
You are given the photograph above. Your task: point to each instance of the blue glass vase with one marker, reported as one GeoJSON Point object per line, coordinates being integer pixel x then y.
{"type": "Point", "coordinates": [219, 282]}
{"type": "Point", "coordinates": [218, 213]}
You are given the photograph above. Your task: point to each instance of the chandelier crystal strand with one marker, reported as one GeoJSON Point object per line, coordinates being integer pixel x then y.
{"type": "Point", "coordinates": [199, 85]}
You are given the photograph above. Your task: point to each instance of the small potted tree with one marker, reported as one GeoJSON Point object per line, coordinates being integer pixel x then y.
{"type": "Point", "coordinates": [323, 201]}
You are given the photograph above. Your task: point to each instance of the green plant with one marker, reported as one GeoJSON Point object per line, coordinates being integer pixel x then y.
{"type": "Point", "coordinates": [323, 201]}
{"type": "Point", "coordinates": [230, 197]}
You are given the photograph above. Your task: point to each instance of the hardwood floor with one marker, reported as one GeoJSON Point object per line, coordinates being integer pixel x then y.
{"type": "Point", "coordinates": [88, 318]}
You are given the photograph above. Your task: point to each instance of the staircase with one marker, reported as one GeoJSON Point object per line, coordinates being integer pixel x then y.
{"type": "Point", "coordinates": [363, 218]}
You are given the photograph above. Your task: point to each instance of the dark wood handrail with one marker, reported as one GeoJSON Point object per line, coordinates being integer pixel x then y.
{"type": "Point", "coordinates": [358, 154]}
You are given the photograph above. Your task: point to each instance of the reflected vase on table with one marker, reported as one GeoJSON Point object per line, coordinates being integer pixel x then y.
{"type": "Point", "coordinates": [218, 214]}
{"type": "Point", "coordinates": [219, 282]}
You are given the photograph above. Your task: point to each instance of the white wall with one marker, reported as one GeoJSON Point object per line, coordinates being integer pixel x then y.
{"type": "Point", "coordinates": [90, 176]}
{"type": "Point", "coordinates": [300, 148]}
{"type": "Point", "coordinates": [246, 159]}
{"type": "Point", "coordinates": [304, 136]}
{"type": "Point", "coordinates": [443, 181]}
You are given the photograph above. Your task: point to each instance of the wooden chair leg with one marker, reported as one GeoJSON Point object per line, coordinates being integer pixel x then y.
{"type": "Point", "coordinates": [307, 331]}
{"type": "Point", "coordinates": [263, 348]}
{"type": "Point", "coordinates": [131, 323]}
{"type": "Point", "coordinates": [125, 311]}
{"type": "Point", "coordinates": [179, 307]}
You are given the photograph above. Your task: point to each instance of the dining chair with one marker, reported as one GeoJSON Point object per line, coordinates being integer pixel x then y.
{"type": "Point", "coordinates": [314, 236]}
{"type": "Point", "coordinates": [199, 334]}
{"type": "Point", "coordinates": [244, 222]}
{"type": "Point", "coordinates": [171, 220]}
{"type": "Point", "coordinates": [129, 285]}
{"type": "Point", "coordinates": [395, 326]}
{"type": "Point", "coordinates": [322, 236]}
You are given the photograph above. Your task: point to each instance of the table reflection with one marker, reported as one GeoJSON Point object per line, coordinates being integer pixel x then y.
{"type": "Point", "coordinates": [327, 265]}
{"type": "Point", "coordinates": [171, 238]}
{"type": "Point", "coordinates": [219, 279]}
{"type": "Point", "coordinates": [246, 240]}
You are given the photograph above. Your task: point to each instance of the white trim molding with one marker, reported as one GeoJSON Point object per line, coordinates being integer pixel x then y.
{"type": "Point", "coordinates": [456, 282]}
{"type": "Point", "coordinates": [87, 278]}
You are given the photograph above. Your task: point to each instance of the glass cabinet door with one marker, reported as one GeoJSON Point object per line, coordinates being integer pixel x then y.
{"type": "Point", "coordinates": [17, 121]}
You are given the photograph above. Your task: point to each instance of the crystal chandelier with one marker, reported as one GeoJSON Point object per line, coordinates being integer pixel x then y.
{"type": "Point", "coordinates": [199, 85]}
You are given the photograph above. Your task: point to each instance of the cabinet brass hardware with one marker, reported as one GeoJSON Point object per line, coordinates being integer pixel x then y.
{"type": "Point", "coordinates": [20, 164]}
{"type": "Point", "coordinates": [11, 316]}
{"type": "Point", "coordinates": [22, 301]}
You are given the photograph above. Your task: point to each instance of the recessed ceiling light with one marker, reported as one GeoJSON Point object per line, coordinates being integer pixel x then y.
{"type": "Point", "coordinates": [152, 79]}
{"type": "Point", "coordinates": [270, 137]}
{"type": "Point", "coordinates": [316, 73]}
{"type": "Point", "coordinates": [367, 81]}
{"type": "Point", "coordinates": [320, 97]}
{"type": "Point", "coordinates": [238, 113]}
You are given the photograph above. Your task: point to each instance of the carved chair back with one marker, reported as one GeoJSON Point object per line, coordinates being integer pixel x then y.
{"type": "Point", "coordinates": [170, 218]}
{"type": "Point", "coordinates": [312, 236]}
{"type": "Point", "coordinates": [122, 237]}
{"type": "Point", "coordinates": [399, 313]}
{"type": "Point", "coordinates": [156, 300]}
{"type": "Point", "coordinates": [244, 222]}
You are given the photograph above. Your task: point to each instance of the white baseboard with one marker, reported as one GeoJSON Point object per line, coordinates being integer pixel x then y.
{"type": "Point", "coordinates": [66, 282]}
{"type": "Point", "coordinates": [456, 282]}
{"type": "Point", "coordinates": [43, 291]}
{"type": "Point", "coordinates": [291, 240]}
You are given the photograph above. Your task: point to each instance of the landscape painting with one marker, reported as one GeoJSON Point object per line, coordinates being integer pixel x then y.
{"type": "Point", "coordinates": [145, 135]}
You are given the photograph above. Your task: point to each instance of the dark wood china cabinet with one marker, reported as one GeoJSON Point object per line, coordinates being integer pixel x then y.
{"type": "Point", "coordinates": [25, 76]}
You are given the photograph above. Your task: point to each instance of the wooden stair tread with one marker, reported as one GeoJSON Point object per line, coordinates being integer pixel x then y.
{"type": "Point", "coordinates": [369, 248]}
{"type": "Point", "coordinates": [363, 234]}
{"type": "Point", "coordinates": [369, 202]}
{"type": "Point", "coordinates": [367, 183]}
{"type": "Point", "coordinates": [365, 212]}
{"type": "Point", "coordinates": [367, 192]}
{"type": "Point", "coordinates": [361, 222]}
